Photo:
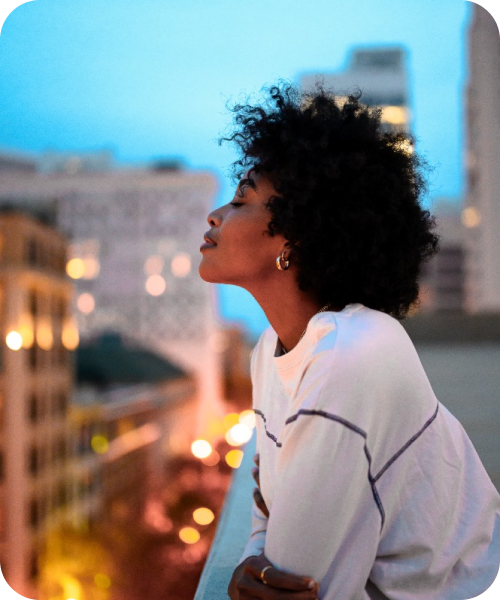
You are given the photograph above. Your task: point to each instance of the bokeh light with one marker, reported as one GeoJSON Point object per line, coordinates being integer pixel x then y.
{"type": "Point", "coordinates": [181, 265]}
{"type": "Point", "coordinates": [189, 535]}
{"type": "Point", "coordinates": [75, 268]}
{"type": "Point", "coordinates": [14, 340]}
{"type": "Point", "coordinates": [91, 267]}
{"type": "Point", "coordinates": [212, 459]}
{"type": "Point", "coordinates": [155, 285]}
{"type": "Point", "coordinates": [203, 516]}
{"type": "Point", "coordinates": [201, 448]}
{"type": "Point", "coordinates": [27, 330]}
{"type": "Point", "coordinates": [247, 417]}
{"type": "Point", "coordinates": [471, 217]}
{"type": "Point", "coordinates": [153, 265]}
{"type": "Point", "coordinates": [230, 420]}
{"type": "Point", "coordinates": [234, 458]}
{"type": "Point", "coordinates": [85, 303]}
{"type": "Point", "coordinates": [69, 336]}
{"type": "Point", "coordinates": [44, 336]}
{"type": "Point", "coordinates": [238, 434]}
{"type": "Point", "coordinates": [99, 444]}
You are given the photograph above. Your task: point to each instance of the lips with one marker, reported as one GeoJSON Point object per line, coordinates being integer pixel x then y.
{"type": "Point", "coordinates": [209, 243]}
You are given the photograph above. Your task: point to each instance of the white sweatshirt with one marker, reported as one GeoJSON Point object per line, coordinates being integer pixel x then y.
{"type": "Point", "coordinates": [374, 488]}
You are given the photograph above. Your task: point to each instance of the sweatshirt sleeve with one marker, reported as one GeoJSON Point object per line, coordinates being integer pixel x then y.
{"type": "Point", "coordinates": [255, 544]}
{"type": "Point", "coordinates": [325, 521]}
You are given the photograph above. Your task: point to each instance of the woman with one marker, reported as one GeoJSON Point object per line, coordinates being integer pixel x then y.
{"type": "Point", "coordinates": [370, 487]}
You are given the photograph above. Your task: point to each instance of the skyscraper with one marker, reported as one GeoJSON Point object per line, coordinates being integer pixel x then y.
{"type": "Point", "coordinates": [481, 215]}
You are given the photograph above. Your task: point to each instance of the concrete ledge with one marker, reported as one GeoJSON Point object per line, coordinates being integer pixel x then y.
{"type": "Point", "coordinates": [232, 534]}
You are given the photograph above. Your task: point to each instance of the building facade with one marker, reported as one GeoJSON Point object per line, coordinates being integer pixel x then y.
{"type": "Point", "coordinates": [442, 283]}
{"type": "Point", "coordinates": [134, 254]}
{"type": "Point", "coordinates": [481, 215]}
{"type": "Point", "coordinates": [381, 74]}
{"type": "Point", "coordinates": [36, 379]}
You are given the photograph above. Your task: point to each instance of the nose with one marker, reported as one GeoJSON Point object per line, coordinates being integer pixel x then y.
{"type": "Point", "coordinates": [214, 218]}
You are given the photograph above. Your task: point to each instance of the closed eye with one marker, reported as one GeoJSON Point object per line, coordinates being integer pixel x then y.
{"type": "Point", "coordinates": [236, 204]}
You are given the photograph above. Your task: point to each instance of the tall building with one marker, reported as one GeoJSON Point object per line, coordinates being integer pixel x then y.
{"type": "Point", "coordinates": [481, 215]}
{"type": "Point", "coordinates": [380, 73]}
{"type": "Point", "coordinates": [36, 379]}
{"type": "Point", "coordinates": [134, 254]}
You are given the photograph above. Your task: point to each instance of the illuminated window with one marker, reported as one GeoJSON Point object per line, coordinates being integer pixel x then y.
{"type": "Point", "coordinates": [471, 217]}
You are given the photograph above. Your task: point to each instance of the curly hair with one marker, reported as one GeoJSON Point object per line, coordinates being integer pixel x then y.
{"type": "Point", "coordinates": [348, 195]}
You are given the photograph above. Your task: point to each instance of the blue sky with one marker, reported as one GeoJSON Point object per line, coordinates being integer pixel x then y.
{"type": "Point", "coordinates": [151, 78]}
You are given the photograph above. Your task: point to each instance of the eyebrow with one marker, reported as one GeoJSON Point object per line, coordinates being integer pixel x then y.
{"type": "Point", "coordinates": [247, 181]}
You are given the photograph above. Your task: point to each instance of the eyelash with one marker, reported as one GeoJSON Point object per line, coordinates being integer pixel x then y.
{"type": "Point", "coordinates": [236, 203]}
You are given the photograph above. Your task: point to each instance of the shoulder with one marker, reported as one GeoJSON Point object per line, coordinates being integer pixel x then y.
{"type": "Point", "coordinates": [366, 369]}
{"type": "Point", "coordinates": [362, 337]}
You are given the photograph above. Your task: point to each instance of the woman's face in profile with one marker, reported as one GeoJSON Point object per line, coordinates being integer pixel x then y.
{"type": "Point", "coordinates": [243, 252]}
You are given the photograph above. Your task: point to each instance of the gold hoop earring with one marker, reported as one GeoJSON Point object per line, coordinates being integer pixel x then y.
{"type": "Point", "coordinates": [282, 263]}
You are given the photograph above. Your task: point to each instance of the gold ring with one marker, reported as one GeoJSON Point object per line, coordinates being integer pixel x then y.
{"type": "Point", "coordinates": [262, 574]}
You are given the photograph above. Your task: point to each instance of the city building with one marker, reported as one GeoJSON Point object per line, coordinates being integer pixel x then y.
{"type": "Point", "coordinates": [442, 279]}
{"type": "Point", "coordinates": [134, 254]}
{"type": "Point", "coordinates": [132, 414]}
{"type": "Point", "coordinates": [38, 334]}
{"type": "Point", "coordinates": [381, 74]}
{"type": "Point", "coordinates": [481, 215]}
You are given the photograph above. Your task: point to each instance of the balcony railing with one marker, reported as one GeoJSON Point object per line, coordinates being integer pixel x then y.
{"type": "Point", "coordinates": [232, 534]}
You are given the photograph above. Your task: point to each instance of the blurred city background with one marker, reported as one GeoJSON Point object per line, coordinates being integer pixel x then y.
{"type": "Point", "coordinates": [125, 392]}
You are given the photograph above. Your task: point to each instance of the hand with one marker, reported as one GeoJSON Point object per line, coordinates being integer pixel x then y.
{"type": "Point", "coordinates": [246, 583]}
{"type": "Point", "coordinates": [257, 496]}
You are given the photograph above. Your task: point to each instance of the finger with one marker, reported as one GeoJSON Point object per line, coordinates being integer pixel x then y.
{"type": "Point", "coordinates": [281, 579]}
{"type": "Point", "coordinates": [255, 475]}
{"type": "Point", "coordinates": [256, 459]}
{"type": "Point", "coordinates": [251, 588]}
{"type": "Point", "coordinates": [260, 502]}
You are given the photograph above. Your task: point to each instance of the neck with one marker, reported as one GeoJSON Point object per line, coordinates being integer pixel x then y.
{"type": "Point", "coordinates": [288, 312]}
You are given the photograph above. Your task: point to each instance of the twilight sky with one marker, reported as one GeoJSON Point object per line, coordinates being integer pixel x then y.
{"type": "Point", "coordinates": [151, 78]}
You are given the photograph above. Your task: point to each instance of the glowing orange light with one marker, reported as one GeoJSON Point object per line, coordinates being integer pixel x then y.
{"type": "Point", "coordinates": [203, 516]}
{"type": "Point", "coordinates": [395, 115]}
{"type": "Point", "coordinates": [471, 217]}
{"type": "Point", "coordinates": [14, 340]}
{"type": "Point", "coordinates": [75, 268]}
{"type": "Point", "coordinates": [44, 336]}
{"type": "Point", "coordinates": [234, 458]}
{"type": "Point", "coordinates": [201, 448]}
{"type": "Point", "coordinates": [155, 285]}
{"type": "Point", "coordinates": [189, 535]}
{"type": "Point", "coordinates": [230, 420]}
{"type": "Point", "coordinates": [27, 330]}
{"type": "Point", "coordinates": [69, 336]}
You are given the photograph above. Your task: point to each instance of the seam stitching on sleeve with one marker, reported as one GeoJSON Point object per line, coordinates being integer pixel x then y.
{"type": "Point", "coordinates": [407, 445]}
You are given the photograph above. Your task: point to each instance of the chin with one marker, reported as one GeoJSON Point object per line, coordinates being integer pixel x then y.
{"type": "Point", "coordinates": [206, 274]}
